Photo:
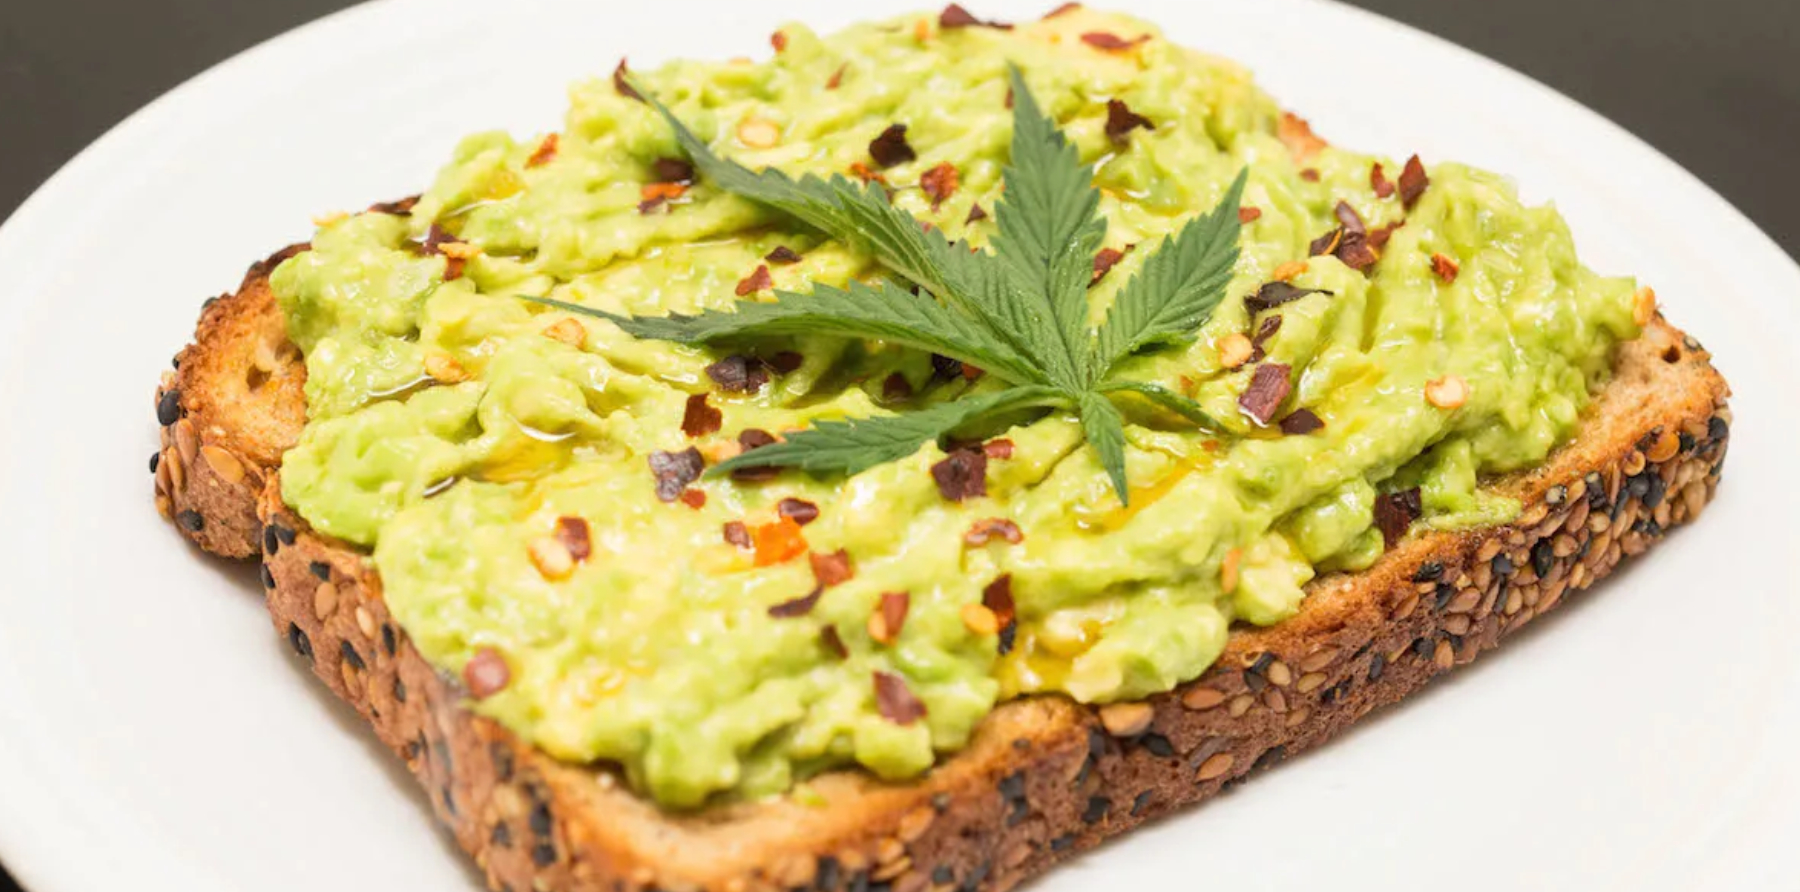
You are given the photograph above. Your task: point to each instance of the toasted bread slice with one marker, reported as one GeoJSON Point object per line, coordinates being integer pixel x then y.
{"type": "Point", "coordinates": [1044, 777]}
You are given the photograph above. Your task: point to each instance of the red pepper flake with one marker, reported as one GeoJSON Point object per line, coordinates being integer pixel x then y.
{"type": "Point", "coordinates": [737, 534]}
{"type": "Point", "coordinates": [777, 541]}
{"type": "Point", "coordinates": [1121, 120]}
{"type": "Point", "coordinates": [572, 532]}
{"type": "Point", "coordinates": [837, 77]}
{"type": "Point", "coordinates": [895, 701]}
{"type": "Point", "coordinates": [985, 530]}
{"type": "Point", "coordinates": [1413, 182]}
{"type": "Point", "coordinates": [486, 673]}
{"type": "Point", "coordinates": [975, 213]}
{"type": "Point", "coordinates": [782, 255]}
{"type": "Point", "coordinates": [738, 373]}
{"type": "Point", "coordinates": [1300, 422]}
{"type": "Point", "coordinates": [800, 606]}
{"type": "Point", "coordinates": [694, 498]}
{"type": "Point", "coordinates": [866, 174]}
{"type": "Point", "coordinates": [622, 86]}
{"type": "Point", "coordinates": [749, 439]}
{"type": "Point", "coordinates": [1378, 237]}
{"type": "Point", "coordinates": [786, 361]}
{"type": "Point", "coordinates": [997, 597]}
{"type": "Point", "coordinates": [944, 367]}
{"type": "Point", "coordinates": [1060, 10]}
{"type": "Point", "coordinates": [674, 471]}
{"type": "Point", "coordinates": [891, 147]}
{"type": "Point", "coordinates": [800, 511]}
{"type": "Point", "coordinates": [700, 419]}
{"type": "Point", "coordinates": [1311, 174]}
{"type": "Point", "coordinates": [1327, 243]}
{"type": "Point", "coordinates": [939, 183]}
{"type": "Point", "coordinates": [1275, 294]}
{"type": "Point", "coordinates": [756, 281]}
{"type": "Point", "coordinates": [971, 373]}
{"type": "Point", "coordinates": [1264, 332]}
{"type": "Point", "coordinates": [954, 16]}
{"type": "Point", "coordinates": [961, 475]}
{"type": "Point", "coordinates": [655, 195]}
{"type": "Point", "coordinates": [832, 569]}
{"type": "Point", "coordinates": [1103, 264]}
{"type": "Point", "coordinates": [1395, 512]}
{"type": "Point", "coordinates": [778, 40]}
{"type": "Point", "coordinates": [1269, 385]}
{"type": "Point", "coordinates": [896, 388]}
{"type": "Point", "coordinates": [1001, 448]}
{"type": "Point", "coordinates": [400, 208]}
{"type": "Point", "coordinates": [1295, 133]}
{"type": "Point", "coordinates": [1009, 99]}
{"type": "Point", "coordinates": [1110, 42]}
{"type": "Point", "coordinates": [546, 151]}
{"type": "Point", "coordinates": [1351, 220]}
{"type": "Point", "coordinates": [1445, 268]}
{"type": "Point", "coordinates": [889, 617]}
{"type": "Point", "coordinates": [672, 170]}
{"type": "Point", "coordinates": [1248, 215]}
{"type": "Point", "coordinates": [1379, 182]}
{"type": "Point", "coordinates": [833, 642]}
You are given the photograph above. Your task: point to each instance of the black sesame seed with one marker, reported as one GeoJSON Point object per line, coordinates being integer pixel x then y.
{"type": "Point", "coordinates": [191, 520]}
{"type": "Point", "coordinates": [1456, 641]}
{"type": "Point", "coordinates": [1097, 807]}
{"type": "Point", "coordinates": [440, 750]}
{"type": "Point", "coordinates": [1445, 591]}
{"type": "Point", "coordinates": [399, 690]}
{"type": "Point", "coordinates": [941, 875]}
{"type": "Point", "coordinates": [411, 750]}
{"type": "Point", "coordinates": [940, 802]}
{"type": "Point", "coordinates": [321, 570]}
{"type": "Point", "coordinates": [1158, 745]}
{"type": "Point", "coordinates": [268, 578]}
{"type": "Point", "coordinates": [168, 407]}
{"type": "Point", "coordinates": [1428, 572]}
{"type": "Point", "coordinates": [1653, 492]}
{"type": "Point", "coordinates": [1543, 557]}
{"type": "Point", "coordinates": [1717, 429]}
{"type": "Point", "coordinates": [1687, 442]}
{"type": "Point", "coordinates": [155, 461]}
{"type": "Point", "coordinates": [503, 761]}
{"type": "Point", "coordinates": [543, 854]}
{"type": "Point", "coordinates": [1596, 491]}
{"type": "Point", "coordinates": [980, 873]}
{"type": "Point", "coordinates": [350, 655]}
{"type": "Point", "coordinates": [1361, 650]}
{"type": "Point", "coordinates": [1269, 758]}
{"type": "Point", "coordinates": [1141, 802]}
{"type": "Point", "coordinates": [540, 821]}
{"type": "Point", "coordinates": [884, 886]}
{"type": "Point", "coordinates": [859, 881]}
{"type": "Point", "coordinates": [1012, 786]}
{"type": "Point", "coordinates": [826, 879]}
{"type": "Point", "coordinates": [1421, 646]}
{"type": "Point", "coordinates": [449, 801]}
{"type": "Point", "coordinates": [1058, 844]}
{"type": "Point", "coordinates": [297, 639]}
{"type": "Point", "coordinates": [1503, 565]}
{"type": "Point", "coordinates": [1581, 552]}
{"type": "Point", "coordinates": [502, 836]}
{"type": "Point", "coordinates": [388, 641]}
{"type": "Point", "coordinates": [270, 543]}
{"type": "Point", "coordinates": [285, 534]}
{"type": "Point", "coordinates": [1377, 665]}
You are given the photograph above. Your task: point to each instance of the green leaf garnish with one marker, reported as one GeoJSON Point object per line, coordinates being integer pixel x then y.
{"type": "Point", "coordinates": [1019, 312]}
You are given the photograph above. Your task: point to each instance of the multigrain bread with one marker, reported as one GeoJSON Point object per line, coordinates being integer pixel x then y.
{"type": "Point", "coordinates": [1044, 777]}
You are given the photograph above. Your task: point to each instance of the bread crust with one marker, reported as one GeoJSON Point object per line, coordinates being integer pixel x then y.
{"type": "Point", "coordinates": [1043, 777]}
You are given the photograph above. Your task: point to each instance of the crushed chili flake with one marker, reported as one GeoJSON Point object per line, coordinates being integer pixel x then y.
{"type": "Point", "coordinates": [1311, 174]}
{"type": "Point", "coordinates": [961, 475]}
{"type": "Point", "coordinates": [971, 373]}
{"type": "Point", "coordinates": [987, 529]}
{"type": "Point", "coordinates": [832, 569]}
{"type": "Point", "coordinates": [1378, 237]}
{"type": "Point", "coordinates": [700, 419]}
{"type": "Point", "coordinates": [622, 86]}
{"type": "Point", "coordinates": [1287, 271]}
{"type": "Point", "coordinates": [1379, 182]}
{"type": "Point", "coordinates": [1350, 219]}
{"type": "Point", "coordinates": [1110, 42]}
{"type": "Point", "coordinates": [1395, 512]}
{"type": "Point", "coordinates": [800, 511]}
{"type": "Point", "coordinates": [1065, 8]}
{"type": "Point", "coordinates": [1121, 120]}
{"type": "Point", "coordinates": [1269, 386]}
{"type": "Point", "coordinates": [866, 174]}
{"type": "Point", "coordinates": [1274, 294]}
{"type": "Point", "coordinates": [655, 195]}
{"type": "Point", "coordinates": [572, 532]}
{"type": "Point", "coordinates": [738, 373]}
{"type": "Point", "coordinates": [1326, 244]}
{"type": "Point", "coordinates": [782, 255]}
{"type": "Point", "coordinates": [545, 151]}
{"type": "Point", "coordinates": [786, 361]}
{"type": "Point", "coordinates": [954, 16]}
{"type": "Point", "coordinates": [777, 541]}
{"type": "Point", "coordinates": [1445, 268]}
{"type": "Point", "coordinates": [674, 471]}
{"type": "Point", "coordinates": [1260, 340]}
{"type": "Point", "coordinates": [672, 170]}
{"type": "Point", "coordinates": [693, 498]}
{"type": "Point", "coordinates": [939, 183]}
{"type": "Point", "coordinates": [1104, 262]}
{"type": "Point", "coordinates": [800, 606]}
{"type": "Point", "coordinates": [1295, 133]}
{"type": "Point", "coordinates": [756, 281]}
{"type": "Point", "coordinates": [736, 533]}
{"type": "Point", "coordinates": [896, 388]}
{"type": "Point", "coordinates": [891, 147]}
{"type": "Point", "coordinates": [1301, 421]}
{"type": "Point", "coordinates": [976, 213]}
{"type": "Point", "coordinates": [400, 208]}
{"type": "Point", "coordinates": [1413, 181]}
{"type": "Point", "coordinates": [1356, 252]}
{"type": "Point", "coordinates": [837, 77]}
{"type": "Point", "coordinates": [486, 673]}
{"type": "Point", "coordinates": [997, 597]}
{"type": "Point", "coordinates": [833, 642]}
{"type": "Point", "coordinates": [1001, 448]}
{"type": "Point", "coordinates": [778, 40]}
{"type": "Point", "coordinates": [1247, 214]}
{"type": "Point", "coordinates": [889, 617]}
{"type": "Point", "coordinates": [944, 367]}
{"type": "Point", "coordinates": [895, 701]}
{"type": "Point", "coordinates": [754, 438]}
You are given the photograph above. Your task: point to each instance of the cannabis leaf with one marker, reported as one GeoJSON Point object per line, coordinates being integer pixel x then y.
{"type": "Point", "coordinates": [1018, 312]}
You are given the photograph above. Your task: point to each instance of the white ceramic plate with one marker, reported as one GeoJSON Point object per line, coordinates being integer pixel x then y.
{"type": "Point", "coordinates": [155, 735]}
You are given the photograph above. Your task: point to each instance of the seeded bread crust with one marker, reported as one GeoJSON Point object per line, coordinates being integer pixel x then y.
{"type": "Point", "coordinates": [1043, 777]}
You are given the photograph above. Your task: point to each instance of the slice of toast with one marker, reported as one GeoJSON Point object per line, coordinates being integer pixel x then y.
{"type": "Point", "coordinates": [1044, 777]}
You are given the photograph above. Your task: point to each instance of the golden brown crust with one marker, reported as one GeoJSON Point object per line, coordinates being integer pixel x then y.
{"type": "Point", "coordinates": [1043, 777]}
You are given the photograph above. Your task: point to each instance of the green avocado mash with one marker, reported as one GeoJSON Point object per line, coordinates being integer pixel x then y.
{"type": "Point", "coordinates": [453, 425]}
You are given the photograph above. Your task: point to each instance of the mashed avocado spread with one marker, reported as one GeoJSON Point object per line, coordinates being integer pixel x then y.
{"type": "Point", "coordinates": [728, 637]}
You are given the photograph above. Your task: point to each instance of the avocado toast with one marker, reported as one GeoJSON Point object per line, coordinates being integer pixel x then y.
{"type": "Point", "coordinates": [1041, 775]}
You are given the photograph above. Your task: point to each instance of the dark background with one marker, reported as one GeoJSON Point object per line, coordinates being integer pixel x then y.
{"type": "Point", "coordinates": [1713, 83]}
